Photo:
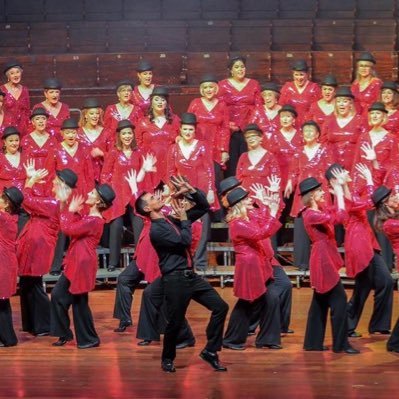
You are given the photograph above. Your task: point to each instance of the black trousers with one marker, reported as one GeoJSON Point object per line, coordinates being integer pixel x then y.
{"type": "Point", "coordinates": [268, 308]}
{"type": "Point", "coordinates": [301, 245]}
{"type": "Point", "coordinates": [153, 316]}
{"type": "Point", "coordinates": [60, 247]}
{"type": "Point", "coordinates": [35, 305]}
{"type": "Point", "coordinates": [282, 287]}
{"type": "Point", "coordinates": [376, 276]}
{"type": "Point", "coordinates": [179, 290]}
{"type": "Point", "coordinates": [128, 281]}
{"type": "Point", "coordinates": [393, 341]}
{"type": "Point", "coordinates": [237, 147]}
{"type": "Point", "coordinates": [335, 299]}
{"type": "Point", "coordinates": [61, 301]}
{"type": "Point", "coordinates": [7, 333]}
{"type": "Point", "coordinates": [201, 253]}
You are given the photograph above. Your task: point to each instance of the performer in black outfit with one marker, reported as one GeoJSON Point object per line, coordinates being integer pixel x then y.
{"type": "Point", "coordinates": [171, 238]}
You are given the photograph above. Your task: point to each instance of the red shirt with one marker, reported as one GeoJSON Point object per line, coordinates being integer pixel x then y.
{"type": "Point", "coordinates": [112, 117]}
{"type": "Point", "coordinates": [11, 175]}
{"type": "Point", "coordinates": [316, 114]}
{"type": "Point", "coordinates": [139, 101]}
{"type": "Point", "coordinates": [268, 126]}
{"type": "Point", "coordinates": [367, 96]}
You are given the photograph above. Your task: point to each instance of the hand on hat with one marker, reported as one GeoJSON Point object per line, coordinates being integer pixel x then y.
{"type": "Point", "coordinates": [341, 176]}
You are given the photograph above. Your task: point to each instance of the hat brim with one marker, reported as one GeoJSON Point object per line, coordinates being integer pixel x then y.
{"type": "Point", "coordinates": [308, 190]}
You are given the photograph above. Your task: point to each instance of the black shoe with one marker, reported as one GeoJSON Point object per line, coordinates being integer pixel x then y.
{"type": "Point", "coordinates": [3, 345]}
{"type": "Point", "coordinates": [42, 334]}
{"type": "Point", "coordinates": [392, 349]}
{"type": "Point", "coordinates": [111, 268]}
{"type": "Point", "coordinates": [380, 332]}
{"type": "Point", "coordinates": [324, 348]}
{"type": "Point", "coordinates": [185, 344]}
{"type": "Point", "coordinates": [144, 342]}
{"type": "Point", "coordinates": [251, 332]}
{"type": "Point", "coordinates": [123, 325]}
{"type": "Point", "coordinates": [234, 347]}
{"type": "Point", "coordinates": [91, 345]}
{"type": "Point", "coordinates": [212, 359]}
{"type": "Point", "coordinates": [168, 366]}
{"type": "Point", "coordinates": [288, 331]}
{"type": "Point", "coordinates": [349, 350]}
{"type": "Point", "coordinates": [269, 346]}
{"type": "Point", "coordinates": [61, 341]}
{"type": "Point", "coordinates": [55, 273]}
{"type": "Point", "coordinates": [354, 334]}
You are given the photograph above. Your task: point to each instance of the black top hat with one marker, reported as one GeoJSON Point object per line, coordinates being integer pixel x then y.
{"type": "Point", "coordinates": [390, 85]}
{"type": "Point", "coordinates": [311, 123]}
{"type": "Point", "coordinates": [272, 86]}
{"type": "Point", "coordinates": [2, 94]}
{"type": "Point", "coordinates": [124, 82]}
{"type": "Point", "coordinates": [307, 185]}
{"type": "Point", "coordinates": [160, 91]}
{"type": "Point", "coordinates": [188, 118]}
{"type": "Point", "coordinates": [288, 108]}
{"type": "Point", "coordinates": [14, 195]}
{"type": "Point", "coordinates": [143, 66]}
{"type": "Point", "coordinates": [91, 103]}
{"type": "Point", "coordinates": [208, 77]}
{"type": "Point", "coordinates": [329, 80]}
{"type": "Point", "coordinates": [68, 176]}
{"type": "Point", "coordinates": [252, 127]}
{"type": "Point", "coordinates": [11, 64]}
{"type": "Point", "coordinates": [123, 124]}
{"type": "Point", "coordinates": [328, 173]}
{"type": "Point", "coordinates": [366, 56]}
{"type": "Point", "coordinates": [39, 111]}
{"type": "Point", "coordinates": [300, 66]}
{"type": "Point", "coordinates": [380, 194]}
{"type": "Point", "coordinates": [52, 83]}
{"type": "Point", "coordinates": [9, 131]}
{"type": "Point", "coordinates": [236, 58]}
{"type": "Point", "coordinates": [228, 184]}
{"type": "Point", "coordinates": [236, 195]}
{"type": "Point", "coordinates": [106, 192]}
{"type": "Point", "coordinates": [70, 123]}
{"type": "Point", "coordinates": [377, 106]}
{"type": "Point", "coordinates": [344, 91]}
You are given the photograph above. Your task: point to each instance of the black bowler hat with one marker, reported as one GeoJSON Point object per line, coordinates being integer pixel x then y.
{"type": "Point", "coordinates": [270, 86]}
{"type": "Point", "coordinates": [91, 103]}
{"type": "Point", "coordinates": [188, 118]}
{"type": "Point", "coordinates": [377, 106]}
{"type": "Point", "coordinates": [70, 123]}
{"type": "Point", "coordinates": [236, 195]}
{"type": "Point", "coordinates": [124, 82]}
{"type": "Point", "coordinates": [14, 195]}
{"type": "Point", "coordinates": [380, 194]}
{"type": "Point", "coordinates": [311, 123]}
{"type": "Point", "coordinates": [234, 59]}
{"type": "Point", "coordinates": [2, 94]}
{"type": "Point", "coordinates": [68, 176]}
{"type": "Point", "coordinates": [329, 80]}
{"type": "Point", "coordinates": [288, 108]}
{"type": "Point", "coordinates": [328, 173]}
{"type": "Point", "coordinates": [253, 127]}
{"type": "Point", "coordinates": [344, 91]}
{"type": "Point", "coordinates": [208, 77]}
{"type": "Point", "coordinates": [52, 83]}
{"type": "Point", "coordinates": [300, 66]}
{"type": "Point", "coordinates": [106, 192]}
{"type": "Point", "coordinates": [9, 131]}
{"type": "Point", "coordinates": [228, 184]}
{"type": "Point", "coordinates": [39, 111]}
{"type": "Point", "coordinates": [366, 56]}
{"type": "Point", "coordinates": [160, 91]}
{"type": "Point", "coordinates": [390, 85]}
{"type": "Point", "coordinates": [11, 64]}
{"type": "Point", "coordinates": [307, 185]}
{"type": "Point", "coordinates": [143, 66]}
{"type": "Point", "coordinates": [123, 124]}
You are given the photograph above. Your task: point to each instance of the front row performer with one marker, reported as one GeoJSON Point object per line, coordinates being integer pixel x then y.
{"type": "Point", "coordinates": [171, 237]}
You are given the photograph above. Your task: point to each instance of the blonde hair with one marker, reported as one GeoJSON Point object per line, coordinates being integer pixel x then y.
{"type": "Point", "coordinates": [373, 72]}
{"type": "Point", "coordinates": [383, 122]}
{"type": "Point", "coordinates": [237, 211]}
{"type": "Point", "coordinates": [307, 198]}
{"type": "Point", "coordinates": [201, 88]}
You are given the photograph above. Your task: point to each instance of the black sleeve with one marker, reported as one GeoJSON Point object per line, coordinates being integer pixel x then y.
{"type": "Point", "coordinates": [165, 236]}
{"type": "Point", "coordinates": [201, 206]}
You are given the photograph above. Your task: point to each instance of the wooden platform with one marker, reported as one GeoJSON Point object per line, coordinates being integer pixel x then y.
{"type": "Point", "coordinates": [121, 369]}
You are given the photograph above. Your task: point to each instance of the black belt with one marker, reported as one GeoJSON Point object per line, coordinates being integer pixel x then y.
{"type": "Point", "coordinates": [189, 273]}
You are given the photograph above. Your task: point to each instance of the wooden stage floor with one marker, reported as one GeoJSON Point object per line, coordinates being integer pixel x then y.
{"type": "Point", "coordinates": [121, 369]}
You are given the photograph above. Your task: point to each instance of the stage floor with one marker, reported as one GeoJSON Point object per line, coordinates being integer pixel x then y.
{"type": "Point", "coordinates": [121, 369]}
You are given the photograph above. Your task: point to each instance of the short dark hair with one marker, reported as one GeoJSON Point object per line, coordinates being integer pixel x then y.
{"type": "Point", "coordinates": [140, 204]}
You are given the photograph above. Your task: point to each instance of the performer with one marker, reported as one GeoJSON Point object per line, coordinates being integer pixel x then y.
{"type": "Point", "coordinates": [253, 272]}
{"type": "Point", "coordinates": [389, 96]}
{"type": "Point", "coordinates": [241, 95]}
{"type": "Point", "coordinates": [80, 267]}
{"type": "Point", "coordinates": [171, 238]}
{"type": "Point", "coordinates": [325, 261]}
{"type": "Point", "coordinates": [16, 101]}
{"type": "Point", "coordinates": [266, 115]}
{"type": "Point", "coordinates": [56, 110]}
{"type": "Point", "coordinates": [366, 86]}
{"type": "Point", "coordinates": [387, 205]}
{"type": "Point", "coordinates": [301, 92]}
{"type": "Point", "coordinates": [10, 200]}
{"type": "Point", "coordinates": [141, 95]}
{"type": "Point", "coordinates": [5, 117]}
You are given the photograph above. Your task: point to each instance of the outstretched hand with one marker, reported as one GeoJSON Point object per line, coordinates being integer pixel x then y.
{"type": "Point", "coordinates": [131, 178]}
{"type": "Point", "coordinates": [182, 186]}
